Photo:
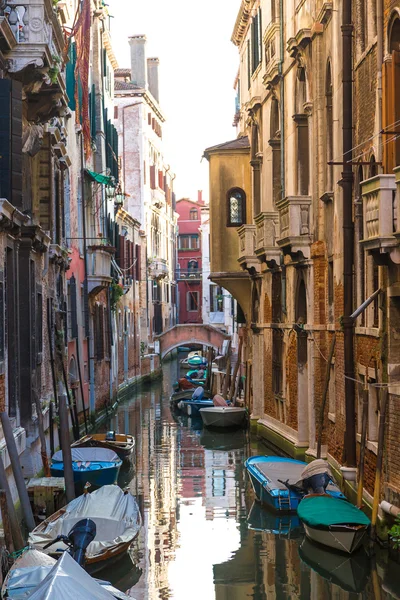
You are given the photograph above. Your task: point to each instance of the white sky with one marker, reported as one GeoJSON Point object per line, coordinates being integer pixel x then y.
{"type": "Point", "coordinates": [198, 66]}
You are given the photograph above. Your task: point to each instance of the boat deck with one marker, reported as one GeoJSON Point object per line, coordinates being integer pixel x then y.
{"type": "Point", "coordinates": [279, 470]}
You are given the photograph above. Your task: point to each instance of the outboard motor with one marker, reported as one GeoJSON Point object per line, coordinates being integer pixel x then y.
{"type": "Point", "coordinates": [80, 536]}
{"type": "Point", "coordinates": [78, 539]}
{"type": "Point", "coordinates": [198, 393]}
{"type": "Point", "coordinates": [316, 477]}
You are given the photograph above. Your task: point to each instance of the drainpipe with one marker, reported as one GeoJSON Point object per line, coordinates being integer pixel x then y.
{"type": "Point", "coordinates": [389, 509]}
{"type": "Point", "coordinates": [282, 99]}
{"type": "Point", "coordinates": [90, 349]}
{"type": "Point", "coordinates": [379, 62]}
{"type": "Point", "coordinates": [348, 232]}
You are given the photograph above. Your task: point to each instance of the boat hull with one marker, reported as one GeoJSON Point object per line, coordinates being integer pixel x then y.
{"type": "Point", "coordinates": [100, 474]}
{"type": "Point", "coordinates": [124, 445]}
{"type": "Point", "coordinates": [223, 416]}
{"type": "Point", "coordinates": [343, 538]}
{"type": "Point", "coordinates": [191, 408]}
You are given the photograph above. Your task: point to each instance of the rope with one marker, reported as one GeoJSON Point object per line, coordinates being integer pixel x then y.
{"type": "Point", "coordinates": [18, 553]}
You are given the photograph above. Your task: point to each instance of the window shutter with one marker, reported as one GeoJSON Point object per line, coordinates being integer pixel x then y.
{"type": "Point", "coordinates": [11, 141]}
{"type": "Point", "coordinates": [70, 76]}
{"type": "Point", "coordinates": [153, 177]}
{"type": "Point", "coordinates": [73, 308]}
{"type": "Point", "coordinates": [137, 264]}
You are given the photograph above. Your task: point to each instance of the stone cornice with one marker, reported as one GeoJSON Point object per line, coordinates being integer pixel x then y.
{"type": "Point", "coordinates": [145, 95]}
{"type": "Point", "coordinates": [242, 21]}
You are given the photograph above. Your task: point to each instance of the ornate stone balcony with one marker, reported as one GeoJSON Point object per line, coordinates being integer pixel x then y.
{"type": "Point", "coordinates": [294, 219]}
{"type": "Point", "coordinates": [271, 43]}
{"type": "Point", "coordinates": [37, 51]}
{"type": "Point", "coordinates": [158, 268]}
{"type": "Point", "coordinates": [247, 246]}
{"type": "Point", "coordinates": [99, 267]}
{"type": "Point", "coordinates": [267, 228]}
{"type": "Point", "coordinates": [380, 217]}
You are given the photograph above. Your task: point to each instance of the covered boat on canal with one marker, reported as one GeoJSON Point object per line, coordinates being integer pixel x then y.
{"type": "Point", "coordinates": [276, 481]}
{"type": "Point", "coordinates": [97, 466]}
{"type": "Point", "coordinates": [117, 518]}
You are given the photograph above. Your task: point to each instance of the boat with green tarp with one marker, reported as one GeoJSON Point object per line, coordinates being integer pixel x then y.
{"type": "Point", "coordinates": [333, 522]}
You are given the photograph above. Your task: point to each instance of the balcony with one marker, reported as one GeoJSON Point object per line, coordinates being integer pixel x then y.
{"type": "Point", "coordinates": [294, 219]}
{"type": "Point", "coordinates": [37, 51]}
{"type": "Point", "coordinates": [99, 268]}
{"type": "Point", "coordinates": [267, 250]}
{"type": "Point", "coordinates": [189, 274]}
{"type": "Point", "coordinates": [271, 42]}
{"type": "Point", "coordinates": [158, 268]}
{"type": "Point", "coordinates": [247, 246]}
{"type": "Point", "coordinates": [380, 218]}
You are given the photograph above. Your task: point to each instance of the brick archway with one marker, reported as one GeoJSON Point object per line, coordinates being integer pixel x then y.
{"type": "Point", "coordinates": [192, 333]}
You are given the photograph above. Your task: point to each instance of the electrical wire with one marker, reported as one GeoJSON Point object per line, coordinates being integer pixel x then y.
{"type": "Point", "coordinates": [367, 140]}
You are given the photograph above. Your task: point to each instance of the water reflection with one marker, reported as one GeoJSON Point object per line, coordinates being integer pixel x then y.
{"type": "Point", "coordinates": [204, 537]}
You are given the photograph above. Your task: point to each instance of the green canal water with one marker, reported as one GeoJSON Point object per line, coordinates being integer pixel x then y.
{"type": "Point", "coordinates": [203, 536]}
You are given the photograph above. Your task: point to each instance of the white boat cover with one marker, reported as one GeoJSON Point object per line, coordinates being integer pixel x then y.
{"type": "Point", "coordinates": [94, 454]}
{"type": "Point", "coordinates": [30, 569]}
{"type": "Point", "coordinates": [115, 513]}
{"type": "Point", "coordinates": [66, 581]}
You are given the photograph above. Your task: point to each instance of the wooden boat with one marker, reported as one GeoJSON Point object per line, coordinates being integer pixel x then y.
{"type": "Point", "coordinates": [282, 525]}
{"type": "Point", "coordinates": [223, 416]}
{"type": "Point", "coordinates": [349, 572]}
{"type": "Point", "coordinates": [97, 466]}
{"type": "Point", "coordinates": [270, 477]}
{"type": "Point", "coordinates": [197, 361]}
{"type": "Point", "coordinates": [333, 522]}
{"type": "Point", "coordinates": [32, 568]}
{"type": "Point", "coordinates": [118, 521]}
{"type": "Point", "coordinates": [122, 444]}
{"type": "Point", "coordinates": [193, 375]}
{"type": "Point", "coordinates": [176, 397]}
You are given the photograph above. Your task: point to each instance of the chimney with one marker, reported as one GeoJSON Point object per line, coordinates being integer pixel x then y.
{"type": "Point", "coordinates": [200, 196]}
{"type": "Point", "coordinates": [138, 60]}
{"type": "Point", "coordinates": [152, 75]}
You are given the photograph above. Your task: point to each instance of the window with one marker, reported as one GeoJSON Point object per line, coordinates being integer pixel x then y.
{"type": "Point", "coordinates": [98, 332]}
{"type": "Point", "coordinates": [192, 301]}
{"type": "Point", "coordinates": [236, 208]}
{"type": "Point", "coordinates": [256, 41]}
{"type": "Point", "coordinates": [331, 311]}
{"type": "Point", "coordinates": [216, 299]}
{"type": "Point", "coordinates": [188, 242]}
{"type": "Point", "coordinates": [332, 390]}
{"type": "Point", "coordinates": [329, 128]}
{"type": "Point", "coordinates": [373, 410]}
{"type": "Point", "coordinates": [193, 215]}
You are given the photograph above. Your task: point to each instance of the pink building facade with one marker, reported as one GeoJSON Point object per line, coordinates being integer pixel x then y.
{"type": "Point", "coordinates": [189, 272]}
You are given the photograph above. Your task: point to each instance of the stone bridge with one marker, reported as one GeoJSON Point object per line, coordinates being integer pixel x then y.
{"type": "Point", "coordinates": [190, 333]}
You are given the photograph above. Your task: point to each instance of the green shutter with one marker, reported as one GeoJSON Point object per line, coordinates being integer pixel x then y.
{"type": "Point", "coordinates": [92, 112]}
{"type": "Point", "coordinates": [70, 76]}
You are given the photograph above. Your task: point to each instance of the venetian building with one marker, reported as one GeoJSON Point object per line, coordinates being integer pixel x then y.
{"type": "Point", "coordinates": [148, 184]}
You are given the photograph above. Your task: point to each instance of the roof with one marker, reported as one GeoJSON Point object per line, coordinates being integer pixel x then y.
{"type": "Point", "coordinates": [122, 72]}
{"type": "Point", "coordinates": [126, 85]}
{"type": "Point", "coordinates": [241, 143]}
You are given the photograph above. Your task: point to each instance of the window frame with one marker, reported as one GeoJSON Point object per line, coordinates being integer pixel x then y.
{"type": "Point", "coordinates": [190, 295]}
{"type": "Point", "coordinates": [228, 207]}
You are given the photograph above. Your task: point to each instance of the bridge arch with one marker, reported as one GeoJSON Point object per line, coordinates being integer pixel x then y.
{"type": "Point", "coordinates": [190, 333]}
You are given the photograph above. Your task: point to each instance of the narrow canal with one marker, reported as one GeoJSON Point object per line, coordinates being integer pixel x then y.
{"type": "Point", "coordinates": [203, 536]}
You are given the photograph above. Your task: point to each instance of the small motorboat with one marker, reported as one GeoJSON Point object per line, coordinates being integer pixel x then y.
{"type": "Point", "coordinates": [31, 568]}
{"type": "Point", "coordinates": [197, 375]}
{"type": "Point", "coordinates": [282, 525]}
{"type": "Point", "coordinates": [349, 572]}
{"type": "Point", "coordinates": [276, 481]}
{"type": "Point", "coordinates": [97, 466]}
{"type": "Point", "coordinates": [122, 444]}
{"type": "Point", "coordinates": [333, 522]}
{"type": "Point", "coordinates": [192, 407]}
{"type": "Point", "coordinates": [176, 397]}
{"type": "Point", "coordinates": [197, 361]}
{"type": "Point", "coordinates": [117, 518]}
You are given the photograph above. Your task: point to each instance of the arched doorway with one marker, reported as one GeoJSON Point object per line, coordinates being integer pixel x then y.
{"type": "Point", "coordinates": [302, 361]}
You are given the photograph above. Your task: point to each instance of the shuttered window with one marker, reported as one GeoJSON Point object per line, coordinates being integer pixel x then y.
{"type": "Point", "coordinates": [98, 328]}
{"type": "Point", "coordinates": [11, 141]}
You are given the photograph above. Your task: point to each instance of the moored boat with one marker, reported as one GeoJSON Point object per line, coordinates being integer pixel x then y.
{"type": "Point", "coordinates": [97, 466]}
{"type": "Point", "coordinates": [31, 568]}
{"type": "Point", "coordinates": [192, 407]}
{"type": "Point", "coordinates": [333, 522]}
{"type": "Point", "coordinates": [117, 518]}
{"type": "Point", "coordinates": [122, 444]}
{"type": "Point", "coordinates": [274, 480]}
{"type": "Point", "coordinates": [176, 397]}
{"type": "Point", "coordinates": [223, 416]}
{"type": "Point", "coordinates": [282, 525]}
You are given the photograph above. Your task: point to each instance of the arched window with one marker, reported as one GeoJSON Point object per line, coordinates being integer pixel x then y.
{"type": "Point", "coordinates": [302, 141]}
{"type": "Point", "coordinates": [193, 214]}
{"type": "Point", "coordinates": [391, 148]}
{"type": "Point", "coordinates": [193, 265]}
{"type": "Point", "coordinates": [275, 144]}
{"type": "Point", "coordinates": [372, 167]}
{"type": "Point", "coordinates": [236, 207]}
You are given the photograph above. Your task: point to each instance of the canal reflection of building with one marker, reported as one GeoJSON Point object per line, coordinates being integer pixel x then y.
{"type": "Point", "coordinates": [155, 484]}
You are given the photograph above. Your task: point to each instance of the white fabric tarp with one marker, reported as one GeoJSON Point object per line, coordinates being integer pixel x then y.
{"type": "Point", "coordinates": [115, 513]}
{"type": "Point", "coordinates": [94, 454]}
{"type": "Point", "coordinates": [66, 581]}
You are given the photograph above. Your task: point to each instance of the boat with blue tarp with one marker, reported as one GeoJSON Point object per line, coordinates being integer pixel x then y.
{"type": "Point", "coordinates": [97, 466]}
{"type": "Point", "coordinates": [277, 481]}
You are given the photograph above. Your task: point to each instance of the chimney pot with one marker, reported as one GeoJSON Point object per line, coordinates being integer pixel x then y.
{"type": "Point", "coordinates": [138, 60]}
{"type": "Point", "coordinates": [152, 76]}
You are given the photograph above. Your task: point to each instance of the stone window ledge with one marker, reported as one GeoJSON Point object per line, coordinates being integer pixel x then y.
{"type": "Point", "coordinates": [332, 417]}
{"type": "Point", "coordinates": [371, 331]}
{"type": "Point", "coordinates": [373, 446]}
